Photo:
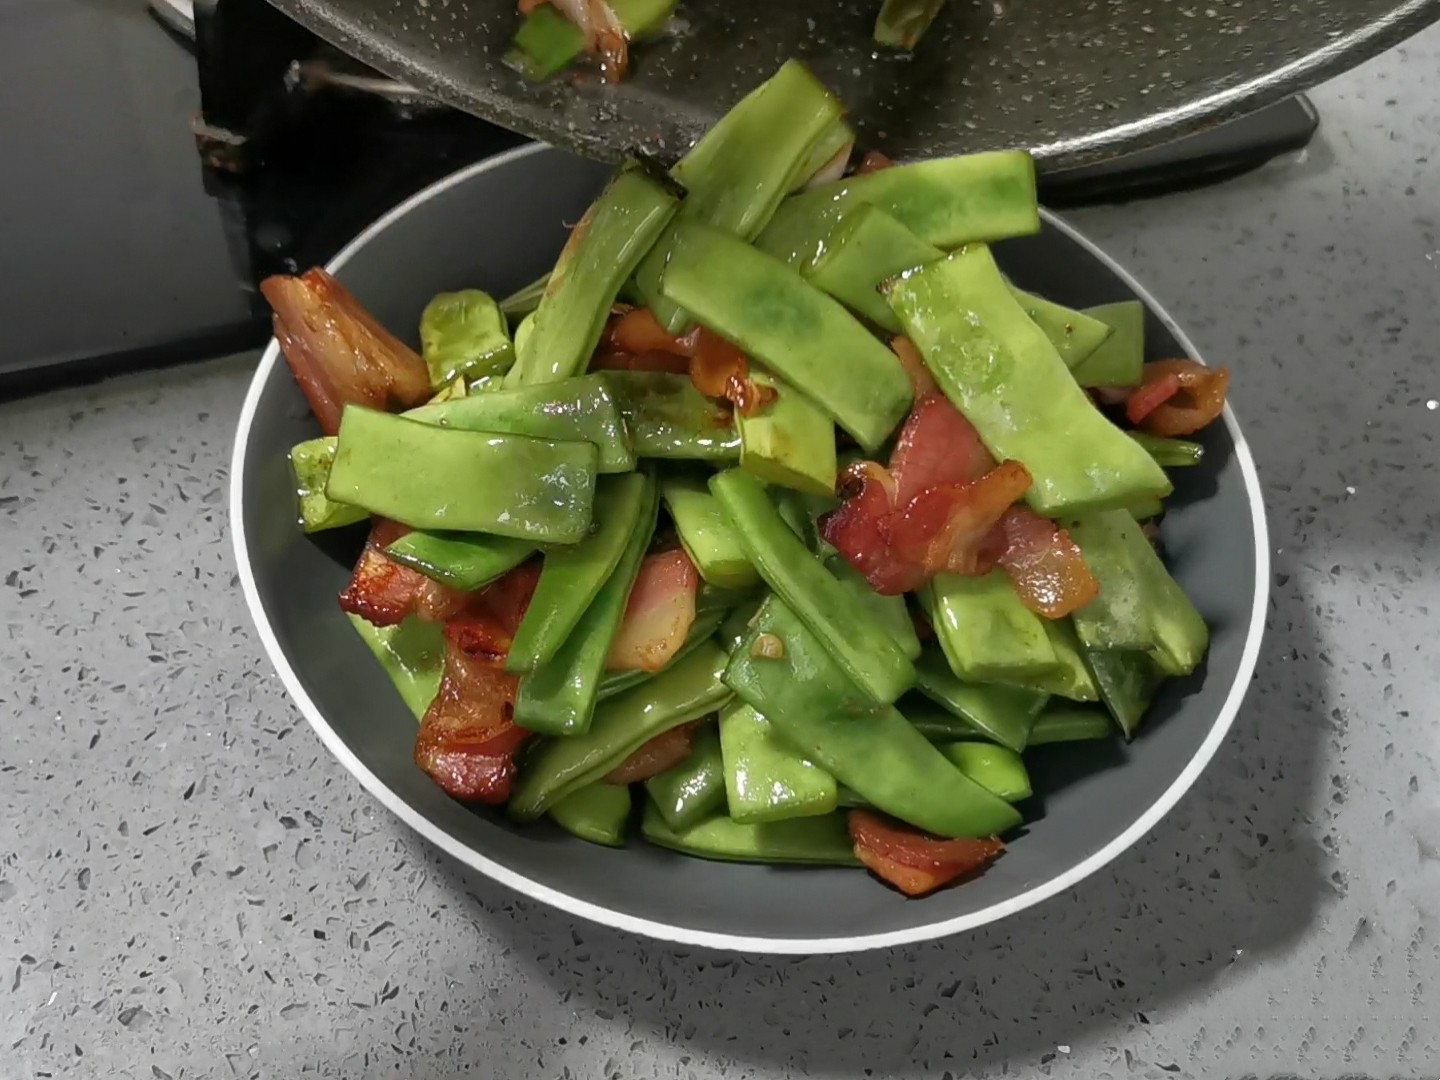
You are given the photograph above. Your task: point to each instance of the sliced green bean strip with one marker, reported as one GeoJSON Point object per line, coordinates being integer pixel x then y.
{"type": "Point", "coordinates": [1146, 509]}
{"type": "Point", "coordinates": [705, 625]}
{"type": "Point", "coordinates": [765, 780]}
{"type": "Point", "coordinates": [705, 532]}
{"type": "Point", "coordinates": [438, 478]}
{"type": "Point", "coordinates": [1074, 334]}
{"type": "Point", "coordinates": [902, 23]}
{"type": "Point", "coordinates": [464, 335]}
{"type": "Point", "coordinates": [560, 698]}
{"type": "Point", "coordinates": [1170, 452]}
{"type": "Point", "coordinates": [888, 612]}
{"type": "Point", "coordinates": [945, 201]}
{"type": "Point", "coordinates": [413, 655]}
{"type": "Point", "coordinates": [788, 442]}
{"type": "Point", "coordinates": [997, 769]}
{"type": "Point", "coordinates": [523, 331]}
{"type": "Point", "coordinates": [838, 137]}
{"type": "Point", "coordinates": [822, 840]}
{"type": "Point", "coordinates": [1140, 606]}
{"type": "Point", "coordinates": [1063, 722]}
{"type": "Point", "coordinates": [603, 250]}
{"type": "Point", "coordinates": [1071, 679]}
{"type": "Point", "coordinates": [558, 767]}
{"type": "Point", "coordinates": [812, 508]}
{"type": "Point", "coordinates": [1127, 680]}
{"type": "Point", "coordinates": [695, 789]}
{"type": "Point", "coordinates": [1120, 360]}
{"type": "Point", "coordinates": [1002, 713]}
{"type": "Point", "coordinates": [739, 171]}
{"type": "Point", "coordinates": [986, 633]}
{"type": "Point", "coordinates": [805, 695]}
{"type": "Point", "coordinates": [582, 409]}
{"type": "Point", "coordinates": [523, 301]}
{"type": "Point", "coordinates": [310, 465]}
{"type": "Point", "coordinates": [866, 248]}
{"type": "Point", "coordinates": [597, 813]}
{"type": "Point", "coordinates": [1000, 370]}
{"type": "Point", "coordinates": [715, 600]}
{"type": "Point", "coordinates": [794, 329]}
{"type": "Point", "coordinates": [464, 561]}
{"type": "Point", "coordinates": [667, 417]}
{"type": "Point", "coordinates": [863, 649]}
{"type": "Point", "coordinates": [546, 43]}
{"type": "Point", "coordinates": [573, 574]}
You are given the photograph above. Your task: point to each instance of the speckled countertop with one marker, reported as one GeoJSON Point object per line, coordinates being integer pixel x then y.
{"type": "Point", "coordinates": [191, 887]}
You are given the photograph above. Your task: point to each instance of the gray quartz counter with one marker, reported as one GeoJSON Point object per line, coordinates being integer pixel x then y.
{"type": "Point", "coordinates": [191, 887]}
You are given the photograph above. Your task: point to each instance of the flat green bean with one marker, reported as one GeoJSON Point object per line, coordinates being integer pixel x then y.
{"type": "Point", "coordinates": [621, 725]}
{"type": "Point", "coordinates": [881, 756]}
{"type": "Point", "coordinates": [867, 652]}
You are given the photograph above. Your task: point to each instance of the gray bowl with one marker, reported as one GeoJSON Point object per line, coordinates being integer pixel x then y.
{"type": "Point", "coordinates": [497, 226]}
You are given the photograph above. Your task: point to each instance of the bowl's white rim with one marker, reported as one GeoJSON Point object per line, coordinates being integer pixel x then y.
{"type": "Point", "coordinates": [709, 939]}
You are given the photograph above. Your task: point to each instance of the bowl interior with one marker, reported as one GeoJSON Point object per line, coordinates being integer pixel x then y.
{"type": "Point", "coordinates": [498, 226]}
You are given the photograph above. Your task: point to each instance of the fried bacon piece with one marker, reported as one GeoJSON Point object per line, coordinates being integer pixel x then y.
{"type": "Point", "coordinates": [468, 737]}
{"type": "Point", "coordinates": [913, 862]}
{"type": "Point", "coordinates": [658, 615]}
{"type": "Point", "coordinates": [656, 756]}
{"type": "Point", "coordinates": [487, 624]}
{"type": "Point", "coordinates": [854, 530]}
{"type": "Point", "coordinates": [716, 368]}
{"type": "Point", "coordinates": [1178, 397]}
{"type": "Point", "coordinates": [945, 505]}
{"type": "Point", "coordinates": [921, 381]}
{"type": "Point", "coordinates": [1046, 566]}
{"type": "Point", "coordinates": [947, 527]}
{"type": "Point", "coordinates": [383, 592]}
{"type": "Point", "coordinates": [336, 350]}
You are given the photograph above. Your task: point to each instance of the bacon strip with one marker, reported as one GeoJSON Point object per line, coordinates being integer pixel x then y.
{"type": "Point", "coordinates": [383, 592]}
{"type": "Point", "coordinates": [945, 505]}
{"type": "Point", "coordinates": [656, 756]}
{"type": "Point", "coordinates": [854, 529]}
{"type": "Point", "coordinates": [658, 615]}
{"type": "Point", "coordinates": [336, 350]}
{"type": "Point", "coordinates": [913, 862]}
{"type": "Point", "coordinates": [1045, 566]}
{"type": "Point", "coordinates": [487, 625]}
{"type": "Point", "coordinates": [716, 368]}
{"type": "Point", "coordinates": [946, 527]}
{"type": "Point", "coordinates": [1178, 397]}
{"type": "Point", "coordinates": [936, 446]}
{"type": "Point", "coordinates": [468, 738]}
{"type": "Point", "coordinates": [921, 381]}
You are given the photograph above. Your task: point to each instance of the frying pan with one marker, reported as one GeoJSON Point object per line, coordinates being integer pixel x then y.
{"type": "Point", "coordinates": [1073, 80]}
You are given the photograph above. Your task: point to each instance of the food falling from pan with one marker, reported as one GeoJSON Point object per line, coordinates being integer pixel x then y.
{"type": "Point", "coordinates": [554, 35]}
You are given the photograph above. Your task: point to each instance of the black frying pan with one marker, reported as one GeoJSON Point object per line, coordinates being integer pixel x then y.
{"type": "Point", "coordinates": [1074, 80]}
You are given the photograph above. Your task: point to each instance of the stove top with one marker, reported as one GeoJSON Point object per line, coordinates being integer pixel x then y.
{"type": "Point", "coordinates": [163, 177]}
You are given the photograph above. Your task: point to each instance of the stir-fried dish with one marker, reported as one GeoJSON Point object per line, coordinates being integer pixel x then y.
{"type": "Point", "coordinates": [554, 34]}
{"type": "Point", "coordinates": [775, 509]}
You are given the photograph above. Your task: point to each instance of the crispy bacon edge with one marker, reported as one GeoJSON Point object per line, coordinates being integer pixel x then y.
{"type": "Point", "coordinates": [913, 862]}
